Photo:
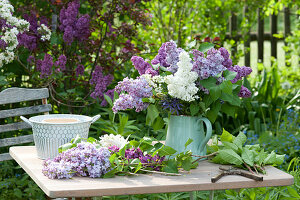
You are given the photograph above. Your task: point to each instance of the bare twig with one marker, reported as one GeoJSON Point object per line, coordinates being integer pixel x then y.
{"type": "Point", "coordinates": [206, 156]}
{"type": "Point", "coordinates": [249, 168]}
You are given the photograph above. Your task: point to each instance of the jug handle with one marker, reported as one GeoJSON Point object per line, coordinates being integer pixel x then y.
{"type": "Point", "coordinates": [208, 132]}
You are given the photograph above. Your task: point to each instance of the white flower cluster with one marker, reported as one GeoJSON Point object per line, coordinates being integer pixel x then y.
{"type": "Point", "coordinates": [182, 84]}
{"type": "Point", "coordinates": [155, 82]}
{"type": "Point", "coordinates": [10, 34]}
{"type": "Point", "coordinates": [45, 32]}
{"type": "Point", "coordinates": [113, 140]}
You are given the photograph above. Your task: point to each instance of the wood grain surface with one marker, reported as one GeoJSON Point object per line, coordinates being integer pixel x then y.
{"type": "Point", "coordinates": [197, 179]}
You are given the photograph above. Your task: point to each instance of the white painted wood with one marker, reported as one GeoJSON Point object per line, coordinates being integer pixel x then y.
{"type": "Point", "coordinates": [196, 179]}
{"type": "Point", "coordinates": [14, 95]}
{"type": "Point", "coordinates": [25, 111]}
{"type": "Point", "coordinates": [16, 140]}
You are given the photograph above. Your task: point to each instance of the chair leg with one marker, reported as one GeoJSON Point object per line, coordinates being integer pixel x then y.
{"type": "Point", "coordinates": [211, 195]}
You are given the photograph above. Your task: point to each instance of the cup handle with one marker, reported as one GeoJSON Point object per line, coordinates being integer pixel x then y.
{"type": "Point", "coordinates": [95, 118]}
{"type": "Point", "coordinates": [26, 120]}
{"type": "Point", "coordinates": [208, 132]}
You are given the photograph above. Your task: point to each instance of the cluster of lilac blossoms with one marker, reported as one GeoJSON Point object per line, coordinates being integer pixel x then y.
{"type": "Point", "coordinates": [136, 90]}
{"type": "Point", "coordinates": [100, 81]}
{"type": "Point", "coordinates": [83, 160]}
{"type": "Point", "coordinates": [146, 159]}
{"type": "Point", "coordinates": [72, 26]}
{"type": "Point", "coordinates": [168, 56]}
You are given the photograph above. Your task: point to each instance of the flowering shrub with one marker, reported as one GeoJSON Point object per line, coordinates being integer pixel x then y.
{"type": "Point", "coordinates": [202, 84]}
{"type": "Point", "coordinates": [78, 57]}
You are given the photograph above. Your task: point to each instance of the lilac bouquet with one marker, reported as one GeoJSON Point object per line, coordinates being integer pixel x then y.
{"type": "Point", "coordinates": [183, 82]}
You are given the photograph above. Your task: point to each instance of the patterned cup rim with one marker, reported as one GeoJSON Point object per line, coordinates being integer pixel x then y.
{"type": "Point", "coordinates": [39, 119]}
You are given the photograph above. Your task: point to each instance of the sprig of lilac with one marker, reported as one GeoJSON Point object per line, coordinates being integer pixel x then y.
{"type": "Point", "coordinates": [83, 160]}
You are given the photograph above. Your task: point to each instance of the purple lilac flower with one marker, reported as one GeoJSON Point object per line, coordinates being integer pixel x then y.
{"type": "Point", "coordinates": [109, 93]}
{"type": "Point", "coordinates": [100, 81]}
{"type": "Point", "coordinates": [28, 41]}
{"type": "Point", "coordinates": [244, 92]}
{"type": "Point", "coordinates": [30, 59]}
{"type": "Point", "coordinates": [71, 26]}
{"type": "Point", "coordinates": [241, 72]}
{"type": "Point", "coordinates": [209, 66]}
{"type": "Point", "coordinates": [168, 56]}
{"type": "Point", "coordinates": [61, 62]}
{"type": "Point", "coordinates": [114, 149]}
{"type": "Point", "coordinates": [142, 66]}
{"type": "Point", "coordinates": [79, 70]}
{"type": "Point", "coordinates": [2, 44]}
{"type": "Point", "coordinates": [227, 61]}
{"type": "Point", "coordinates": [45, 66]}
{"type": "Point", "coordinates": [136, 89]}
{"type": "Point", "coordinates": [83, 160]}
{"type": "Point", "coordinates": [171, 104]}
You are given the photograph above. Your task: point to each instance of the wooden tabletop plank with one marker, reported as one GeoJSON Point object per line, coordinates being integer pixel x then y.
{"type": "Point", "coordinates": [197, 179]}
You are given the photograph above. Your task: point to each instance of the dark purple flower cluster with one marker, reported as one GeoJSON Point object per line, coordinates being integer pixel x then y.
{"type": "Point", "coordinates": [168, 56]}
{"type": "Point", "coordinates": [241, 72]}
{"type": "Point", "coordinates": [171, 104]}
{"type": "Point", "coordinates": [83, 160]}
{"type": "Point", "coordinates": [30, 39]}
{"type": "Point", "coordinates": [45, 66]}
{"type": "Point", "coordinates": [80, 70]}
{"type": "Point", "coordinates": [142, 66]}
{"type": "Point", "coordinates": [2, 44]}
{"type": "Point", "coordinates": [244, 92]}
{"type": "Point", "coordinates": [147, 160]}
{"type": "Point", "coordinates": [100, 81]}
{"type": "Point", "coordinates": [73, 27]}
{"type": "Point", "coordinates": [61, 62]}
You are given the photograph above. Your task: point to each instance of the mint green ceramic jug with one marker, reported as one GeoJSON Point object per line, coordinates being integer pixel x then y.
{"type": "Point", "coordinates": [181, 128]}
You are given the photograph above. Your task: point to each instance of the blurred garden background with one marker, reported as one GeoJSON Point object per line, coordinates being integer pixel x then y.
{"type": "Point", "coordinates": [89, 51]}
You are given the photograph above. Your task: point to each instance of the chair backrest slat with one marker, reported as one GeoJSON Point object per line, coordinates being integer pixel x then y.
{"type": "Point", "coordinates": [16, 140]}
{"type": "Point", "coordinates": [14, 95]}
{"type": "Point", "coordinates": [5, 156]}
{"type": "Point", "coordinates": [25, 111]}
{"type": "Point", "coordinates": [14, 127]}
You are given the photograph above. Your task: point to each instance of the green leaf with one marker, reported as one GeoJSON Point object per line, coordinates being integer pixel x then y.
{"type": "Point", "coordinates": [279, 159]}
{"type": "Point", "coordinates": [247, 156]}
{"type": "Point", "coordinates": [134, 143]}
{"type": "Point", "coordinates": [229, 75]}
{"type": "Point", "coordinates": [65, 147]}
{"type": "Point", "coordinates": [77, 139]}
{"type": "Point", "coordinates": [108, 99]}
{"type": "Point", "coordinates": [122, 151]}
{"type": "Point", "coordinates": [188, 142]}
{"type": "Point", "coordinates": [228, 109]}
{"type": "Point", "coordinates": [218, 159]}
{"type": "Point", "coordinates": [205, 46]}
{"type": "Point", "coordinates": [226, 136]}
{"type": "Point", "coordinates": [111, 173]}
{"type": "Point", "coordinates": [270, 159]}
{"type": "Point", "coordinates": [209, 83]}
{"type": "Point", "coordinates": [228, 155]}
{"type": "Point", "coordinates": [158, 124]}
{"type": "Point", "coordinates": [194, 108]}
{"type": "Point", "coordinates": [215, 93]}
{"type": "Point", "coordinates": [240, 139]}
{"type": "Point", "coordinates": [231, 98]}
{"type": "Point", "coordinates": [166, 151]}
{"type": "Point", "coordinates": [230, 146]}
{"type": "Point", "coordinates": [213, 112]}
{"type": "Point", "coordinates": [187, 163]}
{"type": "Point", "coordinates": [171, 166]}
{"type": "Point", "coordinates": [293, 192]}
{"type": "Point", "coordinates": [226, 86]}
{"type": "Point", "coordinates": [152, 114]}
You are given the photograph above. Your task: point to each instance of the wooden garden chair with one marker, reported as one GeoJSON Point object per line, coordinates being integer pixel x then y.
{"type": "Point", "coordinates": [18, 95]}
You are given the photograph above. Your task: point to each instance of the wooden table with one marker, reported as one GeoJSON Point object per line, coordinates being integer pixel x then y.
{"type": "Point", "coordinates": [197, 179]}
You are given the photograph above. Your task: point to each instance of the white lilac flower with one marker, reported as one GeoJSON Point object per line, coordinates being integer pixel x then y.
{"type": "Point", "coordinates": [45, 32]}
{"type": "Point", "coordinates": [182, 84]}
{"type": "Point", "coordinates": [113, 140]}
{"type": "Point", "coordinates": [9, 32]}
